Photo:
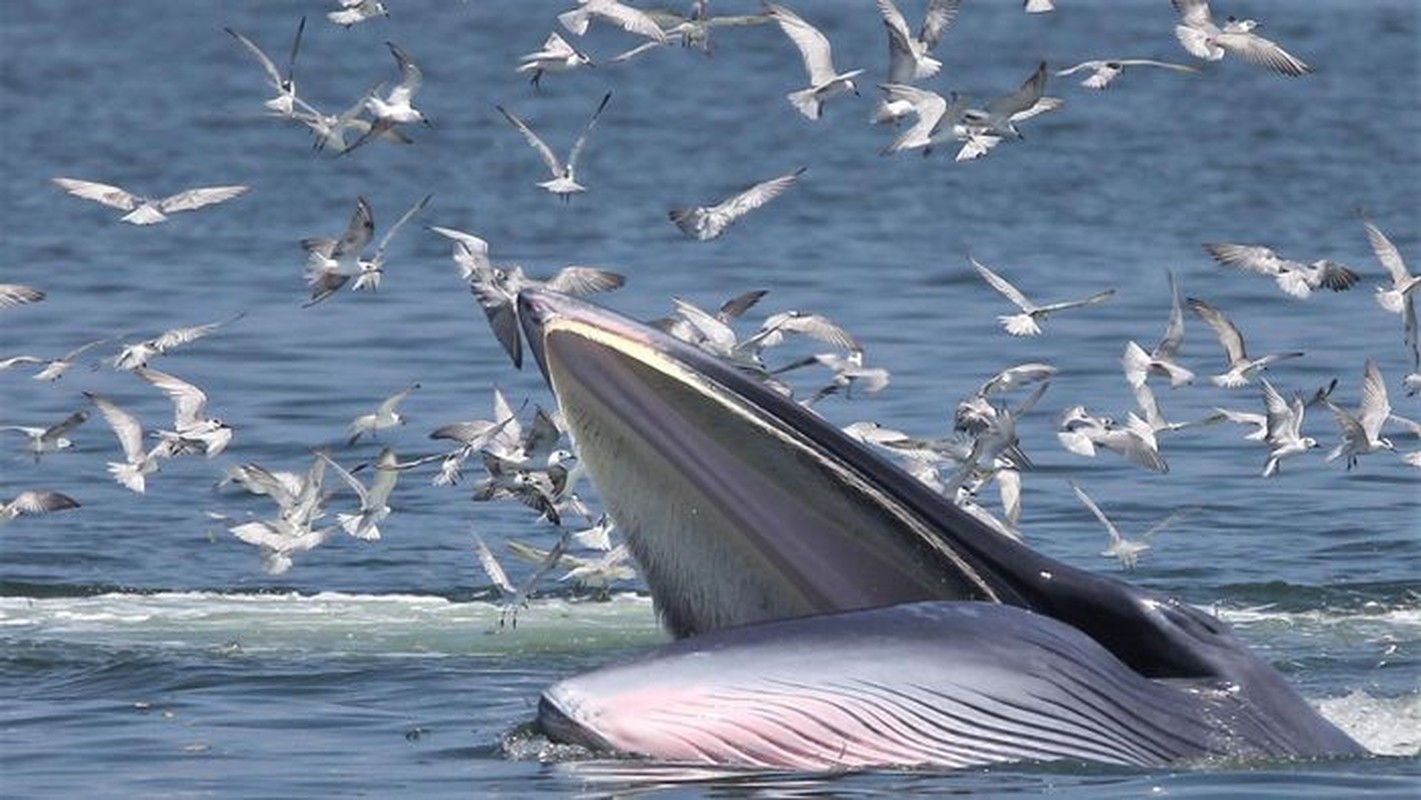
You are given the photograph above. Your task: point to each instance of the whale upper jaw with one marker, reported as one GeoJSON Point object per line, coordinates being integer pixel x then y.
{"type": "Point", "coordinates": [742, 507]}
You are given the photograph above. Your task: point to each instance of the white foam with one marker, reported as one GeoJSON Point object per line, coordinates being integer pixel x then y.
{"type": "Point", "coordinates": [1388, 726]}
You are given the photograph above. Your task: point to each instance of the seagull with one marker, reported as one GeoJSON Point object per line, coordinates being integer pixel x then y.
{"type": "Point", "coordinates": [939, 121]}
{"type": "Point", "coordinates": [1199, 35]}
{"type": "Point", "coordinates": [330, 263]}
{"type": "Point", "coordinates": [1297, 279]}
{"type": "Point", "coordinates": [374, 502]}
{"type": "Point", "coordinates": [501, 434]}
{"type": "Point", "coordinates": [1126, 550]}
{"type": "Point", "coordinates": [496, 290]}
{"type": "Point", "coordinates": [329, 130]}
{"type": "Point", "coordinates": [292, 531]}
{"type": "Point", "coordinates": [354, 12]}
{"type": "Point", "coordinates": [138, 462]}
{"type": "Point", "coordinates": [556, 56]}
{"type": "Point", "coordinates": [34, 502]}
{"type": "Point", "coordinates": [564, 181]}
{"type": "Point", "coordinates": [849, 372]}
{"type": "Point", "coordinates": [629, 19]}
{"type": "Point", "coordinates": [1361, 432]}
{"type": "Point", "coordinates": [1138, 364]}
{"type": "Point", "coordinates": [1399, 298]}
{"type": "Point", "coordinates": [372, 270]}
{"type": "Point", "coordinates": [1025, 323]}
{"type": "Point", "coordinates": [384, 415]}
{"type": "Point", "coordinates": [1103, 72]}
{"type": "Point", "coordinates": [146, 210]}
{"type": "Point", "coordinates": [704, 223]}
{"type": "Point", "coordinates": [281, 486]}
{"type": "Point", "coordinates": [824, 81]}
{"type": "Point", "coordinates": [1001, 115]}
{"type": "Point", "coordinates": [1082, 434]}
{"type": "Point", "coordinates": [54, 368]}
{"type": "Point", "coordinates": [512, 597]}
{"type": "Point", "coordinates": [140, 353]}
{"type": "Point", "coordinates": [976, 413]}
{"type": "Point", "coordinates": [190, 424]}
{"type": "Point", "coordinates": [589, 573]}
{"type": "Point", "coordinates": [18, 294]}
{"type": "Point", "coordinates": [1241, 368]}
{"type": "Point", "coordinates": [396, 107]}
{"type": "Point", "coordinates": [285, 85]}
{"type": "Point", "coordinates": [51, 439]}
{"type": "Point", "coordinates": [910, 57]}
{"type": "Point", "coordinates": [1283, 428]}
{"type": "Point", "coordinates": [695, 30]}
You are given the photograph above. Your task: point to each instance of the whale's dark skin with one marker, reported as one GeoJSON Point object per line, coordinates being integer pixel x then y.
{"type": "Point", "coordinates": [832, 611]}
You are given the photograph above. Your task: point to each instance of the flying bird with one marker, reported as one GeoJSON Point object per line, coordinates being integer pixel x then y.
{"type": "Point", "coordinates": [1199, 35]}
{"type": "Point", "coordinates": [824, 81]}
{"type": "Point", "coordinates": [396, 107]}
{"type": "Point", "coordinates": [1400, 296]}
{"type": "Point", "coordinates": [708, 222]}
{"type": "Point", "coordinates": [191, 425]}
{"type": "Point", "coordinates": [1027, 323]}
{"type": "Point", "coordinates": [138, 354]}
{"type": "Point", "coordinates": [1163, 359]}
{"type": "Point", "coordinates": [1294, 277]}
{"type": "Point", "coordinates": [1362, 431]}
{"type": "Point", "coordinates": [34, 502]}
{"type": "Point", "coordinates": [51, 439]}
{"type": "Point", "coordinates": [1241, 368]}
{"type": "Point", "coordinates": [1127, 551]}
{"type": "Point", "coordinates": [148, 210]}
{"type": "Point", "coordinates": [354, 12]}
{"type": "Point", "coordinates": [556, 56]}
{"type": "Point", "coordinates": [564, 181]}
{"type": "Point", "coordinates": [1283, 428]}
{"type": "Point", "coordinates": [138, 463]}
{"type": "Point", "coordinates": [1104, 72]}
{"type": "Point", "coordinates": [18, 294]}
{"type": "Point", "coordinates": [628, 18]}
{"type": "Point", "coordinates": [54, 368]}
{"type": "Point", "coordinates": [384, 416]}
{"type": "Point", "coordinates": [910, 56]}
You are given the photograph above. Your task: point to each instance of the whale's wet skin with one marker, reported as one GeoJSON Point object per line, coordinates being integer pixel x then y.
{"type": "Point", "coordinates": [833, 612]}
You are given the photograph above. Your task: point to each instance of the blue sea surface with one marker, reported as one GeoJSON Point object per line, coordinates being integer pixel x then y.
{"type": "Point", "coordinates": [143, 650]}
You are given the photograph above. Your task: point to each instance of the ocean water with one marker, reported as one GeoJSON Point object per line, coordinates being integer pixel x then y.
{"type": "Point", "coordinates": [143, 651]}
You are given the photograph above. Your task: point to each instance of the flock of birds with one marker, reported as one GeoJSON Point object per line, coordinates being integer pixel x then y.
{"type": "Point", "coordinates": [525, 456]}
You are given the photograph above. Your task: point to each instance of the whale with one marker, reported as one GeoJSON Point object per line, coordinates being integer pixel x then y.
{"type": "Point", "coordinates": [828, 611]}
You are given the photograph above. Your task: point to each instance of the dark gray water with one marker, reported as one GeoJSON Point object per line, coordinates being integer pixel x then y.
{"type": "Point", "coordinates": [144, 652]}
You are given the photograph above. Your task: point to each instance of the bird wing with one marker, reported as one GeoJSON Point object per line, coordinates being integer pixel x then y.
{"type": "Point", "coordinates": [492, 568]}
{"type": "Point", "coordinates": [125, 426]}
{"type": "Point", "coordinates": [631, 20]}
{"type": "Point", "coordinates": [1150, 62]}
{"type": "Point", "coordinates": [1374, 408]}
{"type": "Point", "coordinates": [1024, 98]}
{"type": "Point", "coordinates": [410, 76]}
{"type": "Point", "coordinates": [1387, 254]}
{"type": "Point", "coordinates": [1229, 337]}
{"type": "Point", "coordinates": [549, 158]}
{"type": "Point", "coordinates": [715, 330]}
{"type": "Point", "coordinates": [272, 75]}
{"type": "Point", "coordinates": [188, 400]}
{"type": "Point", "coordinates": [38, 501]}
{"type": "Point", "coordinates": [111, 196]}
{"type": "Point", "coordinates": [1168, 346]}
{"type": "Point", "coordinates": [757, 195]}
{"type": "Point", "coordinates": [813, 46]}
{"type": "Point", "coordinates": [1194, 13]}
{"type": "Point", "coordinates": [585, 280]}
{"type": "Point", "coordinates": [1263, 52]}
{"type": "Point", "coordinates": [1001, 285]}
{"type": "Point", "coordinates": [1279, 419]}
{"type": "Point", "coordinates": [353, 482]}
{"type": "Point", "coordinates": [197, 198]}
{"type": "Point", "coordinates": [582, 139]}
{"type": "Point", "coordinates": [387, 406]}
{"type": "Point", "coordinates": [1095, 509]}
{"type": "Point", "coordinates": [390, 234]}
{"type": "Point", "coordinates": [1077, 68]}
{"type": "Point", "coordinates": [1249, 257]}
{"type": "Point", "coordinates": [937, 19]}
{"type": "Point", "coordinates": [1098, 297]}
{"type": "Point", "coordinates": [358, 232]}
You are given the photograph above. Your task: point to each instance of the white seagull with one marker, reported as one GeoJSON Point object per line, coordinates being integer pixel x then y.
{"type": "Point", "coordinates": [54, 368]}
{"type": "Point", "coordinates": [51, 439]}
{"type": "Point", "coordinates": [191, 425]}
{"type": "Point", "coordinates": [564, 181]}
{"type": "Point", "coordinates": [148, 210]}
{"type": "Point", "coordinates": [1241, 368]}
{"type": "Point", "coordinates": [372, 269]}
{"type": "Point", "coordinates": [1199, 35]}
{"type": "Point", "coordinates": [395, 108]}
{"type": "Point", "coordinates": [1001, 115]}
{"type": "Point", "coordinates": [1126, 550]}
{"type": "Point", "coordinates": [707, 222]}
{"type": "Point", "coordinates": [384, 415]}
{"type": "Point", "coordinates": [1104, 72]}
{"type": "Point", "coordinates": [1026, 323]}
{"type": "Point", "coordinates": [910, 57]}
{"type": "Point", "coordinates": [138, 354]}
{"type": "Point", "coordinates": [1400, 296]}
{"type": "Point", "coordinates": [1162, 360]}
{"type": "Point", "coordinates": [138, 463]}
{"type": "Point", "coordinates": [34, 502]}
{"type": "Point", "coordinates": [285, 85]}
{"type": "Point", "coordinates": [1283, 428]}
{"type": "Point", "coordinates": [1294, 277]}
{"type": "Point", "coordinates": [374, 501]}
{"type": "Point", "coordinates": [1361, 432]}
{"type": "Point", "coordinates": [629, 19]}
{"type": "Point", "coordinates": [824, 81]}
{"type": "Point", "coordinates": [556, 56]}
